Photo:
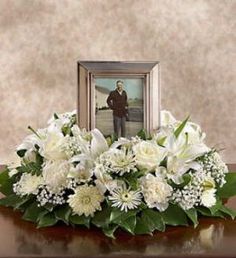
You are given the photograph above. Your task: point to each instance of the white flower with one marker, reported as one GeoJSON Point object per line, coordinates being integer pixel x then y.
{"type": "Point", "coordinates": [55, 174]}
{"type": "Point", "coordinates": [208, 198]}
{"type": "Point", "coordinates": [104, 181]}
{"type": "Point", "coordinates": [80, 173]}
{"type": "Point", "coordinates": [118, 161]}
{"type": "Point", "coordinates": [156, 191]}
{"type": "Point", "coordinates": [28, 184]}
{"type": "Point", "coordinates": [53, 147]}
{"type": "Point", "coordinates": [125, 199]}
{"type": "Point", "coordinates": [148, 154]}
{"type": "Point", "coordinates": [167, 119]}
{"type": "Point", "coordinates": [86, 200]}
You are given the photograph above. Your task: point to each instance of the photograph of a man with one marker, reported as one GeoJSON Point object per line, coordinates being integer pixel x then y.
{"type": "Point", "coordinates": [117, 101]}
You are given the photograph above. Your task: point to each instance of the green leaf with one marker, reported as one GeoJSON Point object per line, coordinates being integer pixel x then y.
{"type": "Point", "coordinates": [80, 220]}
{"type": "Point", "coordinates": [102, 218]}
{"type": "Point", "coordinates": [142, 134]}
{"type": "Point", "coordinates": [206, 212]}
{"type": "Point", "coordinates": [180, 127]}
{"type": "Point", "coordinates": [215, 207]}
{"type": "Point", "coordinates": [228, 211]}
{"type": "Point", "coordinates": [129, 224]}
{"type": "Point", "coordinates": [47, 220]}
{"type": "Point", "coordinates": [63, 213]}
{"type": "Point", "coordinates": [192, 214]}
{"type": "Point", "coordinates": [174, 216]}
{"type": "Point", "coordinates": [33, 212]}
{"type": "Point", "coordinates": [12, 200]}
{"type": "Point", "coordinates": [21, 153]}
{"type": "Point", "coordinates": [142, 227]}
{"type": "Point", "coordinates": [109, 232]}
{"type": "Point", "coordinates": [229, 188]}
{"type": "Point", "coordinates": [154, 220]}
{"type": "Point", "coordinates": [6, 182]}
{"type": "Point", "coordinates": [161, 141]}
{"type": "Point", "coordinates": [117, 215]}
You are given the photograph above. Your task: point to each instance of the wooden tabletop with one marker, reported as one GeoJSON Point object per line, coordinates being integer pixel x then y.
{"type": "Point", "coordinates": [212, 238]}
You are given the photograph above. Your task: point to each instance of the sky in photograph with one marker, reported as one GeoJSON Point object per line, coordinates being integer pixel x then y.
{"type": "Point", "coordinates": [132, 86]}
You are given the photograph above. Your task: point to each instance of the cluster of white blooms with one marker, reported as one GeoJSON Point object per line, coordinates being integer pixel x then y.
{"type": "Point", "coordinates": [79, 168]}
{"type": "Point", "coordinates": [199, 191]}
{"type": "Point", "coordinates": [213, 164]}
{"type": "Point", "coordinates": [46, 196]}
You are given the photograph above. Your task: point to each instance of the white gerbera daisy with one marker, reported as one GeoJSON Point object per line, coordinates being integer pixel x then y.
{"type": "Point", "coordinates": [86, 200]}
{"type": "Point", "coordinates": [125, 199]}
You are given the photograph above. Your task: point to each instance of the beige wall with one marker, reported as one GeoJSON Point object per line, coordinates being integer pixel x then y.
{"type": "Point", "coordinates": [40, 42]}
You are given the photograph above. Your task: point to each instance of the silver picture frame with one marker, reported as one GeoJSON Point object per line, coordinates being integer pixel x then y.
{"type": "Point", "coordinates": [88, 71]}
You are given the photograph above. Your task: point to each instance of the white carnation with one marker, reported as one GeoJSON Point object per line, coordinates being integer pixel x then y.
{"type": "Point", "coordinates": [156, 191]}
{"type": "Point", "coordinates": [148, 154]}
{"type": "Point", "coordinates": [208, 198]}
{"type": "Point", "coordinates": [55, 174]}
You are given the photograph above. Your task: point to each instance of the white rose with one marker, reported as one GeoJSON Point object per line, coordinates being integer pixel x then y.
{"type": "Point", "coordinates": [148, 154]}
{"type": "Point", "coordinates": [53, 147]}
{"type": "Point", "coordinates": [208, 198]}
{"type": "Point", "coordinates": [156, 191]}
{"type": "Point", "coordinates": [55, 174]}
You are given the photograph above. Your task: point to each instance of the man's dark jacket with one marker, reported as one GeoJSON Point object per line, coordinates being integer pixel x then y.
{"type": "Point", "coordinates": [118, 103]}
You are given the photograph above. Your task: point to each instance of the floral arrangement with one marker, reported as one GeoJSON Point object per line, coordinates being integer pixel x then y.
{"type": "Point", "coordinates": [78, 177]}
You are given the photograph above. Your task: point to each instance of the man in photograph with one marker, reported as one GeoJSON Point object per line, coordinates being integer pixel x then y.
{"type": "Point", "coordinates": [117, 101]}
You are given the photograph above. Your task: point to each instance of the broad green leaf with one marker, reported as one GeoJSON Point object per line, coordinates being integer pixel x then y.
{"type": "Point", "coordinates": [47, 220]}
{"type": "Point", "coordinates": [215, 207]}
{"type": "Point", "coordinates": [109, 232]}
{"type": "Point", "coordinates": [228, 211]}
{"type": "Point", "coordinates": [192, 214]}
{"type": "Point", "coordinates": [102, 218]}
{"type": "Point", "coordinates": [129, 224]}
{"type": "Point", "coordinates": [117, 215]}
{"type": "Point", "coordinates": [174, 216]}
{"type": "Point", "coordinates": [33, 211]}
{"type": "Point", "coordinates": [142, 134]}
{"type": "Point", "coordinates": [229, 188]}
{"type": "Point", "coordinates": [154, 219]}
{"type": "Point", "coordinates": [206, 212]}
{"type": "Point", "coordinates": [12, 200]}
{"type": "Point", "coordinates": [142, 227]}
{"type": "Point", "coordinates": [63, 213]}
{"type": "Point", "coordinates": [161, 141]}
{"type": "Point", "coordinates": [80, 220]}
{"type": "Point", "coordinates": [6, 183]}
{"type": "Point", "coordinates": [180, 128]}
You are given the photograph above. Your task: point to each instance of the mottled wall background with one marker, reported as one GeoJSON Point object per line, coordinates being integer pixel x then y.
{"type": "Point", "coordinates": [41, 40]}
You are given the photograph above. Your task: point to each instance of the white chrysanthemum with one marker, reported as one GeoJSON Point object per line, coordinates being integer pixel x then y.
{"type": "Point", "coordinates": [118, 161]}
{"type": "Point", "coordinates": [86, 200]}
{"type": "Point", "coordinates": [55, 174]}
{"type": "Point", "coordinates": [148, 154]}
{"type": "Point", "coordinates": [208, 198]}
{"type": "Point", "coordinates": [28, 184]}
{"type": "Point", "coordinates": [125, 199]}
{"type": "Point", "coordinates": [156, 191]}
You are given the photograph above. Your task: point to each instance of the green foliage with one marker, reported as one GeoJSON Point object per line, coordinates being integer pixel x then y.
{"type": "Point", "coordinates": [180, 128]}
{"type": "Point", "coordinates": [6, 182]}
{"type": "Point", "coordinates": [80, 220]}
{"type": "Point", "coordinates": [174, 216]}
{"type": "Point", "coordinates": [34, 212]}
{"type": "Point", "coordinates": [63, 213]}
{"type": "Point", "coordinates": [186, 179]}
{"type": "Point", "coordinates": [143, 134]}
{"type": "Point", "coordinates": [229, 188]}
{"type": "Point", "coordinates": [47, 220]}
{"type": "Point", "coordinates": [192, 215]}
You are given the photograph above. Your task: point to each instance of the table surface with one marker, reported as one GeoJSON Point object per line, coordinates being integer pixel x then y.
{"type": "Point", "coordinates": [212, 238]}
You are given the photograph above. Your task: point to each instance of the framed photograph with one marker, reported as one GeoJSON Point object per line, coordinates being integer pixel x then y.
{"type": "Point", "coordinates": [119, 97]}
